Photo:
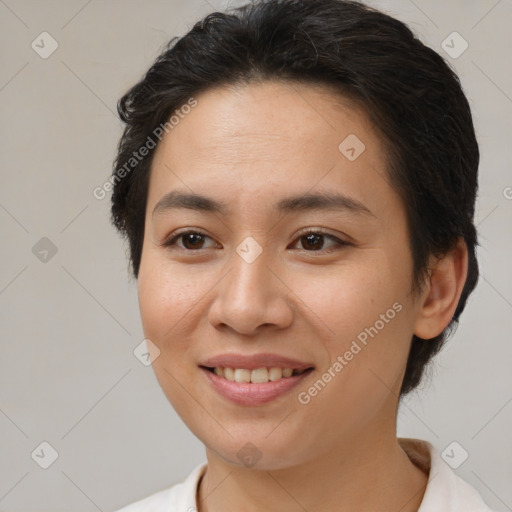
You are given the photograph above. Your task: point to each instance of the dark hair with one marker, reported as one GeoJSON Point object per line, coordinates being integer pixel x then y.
{"type": "Point", "coordinates": [409, 92]}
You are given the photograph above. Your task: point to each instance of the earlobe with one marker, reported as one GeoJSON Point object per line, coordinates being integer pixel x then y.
{"type": "Point", "coordinates": [446, 280]}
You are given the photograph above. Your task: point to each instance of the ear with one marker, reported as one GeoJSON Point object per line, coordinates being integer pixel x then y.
{"type": "Point", "coordinates": [442, 292]}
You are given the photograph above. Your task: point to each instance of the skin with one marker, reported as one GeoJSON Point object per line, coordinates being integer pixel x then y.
{"type": "Point", "coordinates": [251, 146]}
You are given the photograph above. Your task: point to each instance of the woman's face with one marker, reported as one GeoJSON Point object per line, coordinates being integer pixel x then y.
{"type": "Point", "coordinates": [251, 281]}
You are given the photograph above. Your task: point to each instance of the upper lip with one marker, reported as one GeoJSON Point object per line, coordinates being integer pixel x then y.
{"type": "Point", "coordinates": [250, 362]}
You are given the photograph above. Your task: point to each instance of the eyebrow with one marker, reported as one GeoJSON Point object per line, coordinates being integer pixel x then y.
{"type": "Point", "coordinates": [320, 201]}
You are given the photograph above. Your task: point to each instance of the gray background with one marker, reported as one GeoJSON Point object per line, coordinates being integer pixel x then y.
{"type": "Point", "coordinates": [69, 325]}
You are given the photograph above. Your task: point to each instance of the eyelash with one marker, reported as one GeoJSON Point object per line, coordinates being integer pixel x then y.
{"type": "Point", "coordinates": [171, 242]}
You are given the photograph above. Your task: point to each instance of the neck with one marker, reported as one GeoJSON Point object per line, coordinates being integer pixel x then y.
{"type": "Point", "coordinates": [373, 475]}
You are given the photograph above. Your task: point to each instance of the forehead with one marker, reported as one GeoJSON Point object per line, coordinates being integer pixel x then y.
{"type": "Point", "coordinates": [270, 113]}
{"type": "Point", "coordinates": [264, 137]}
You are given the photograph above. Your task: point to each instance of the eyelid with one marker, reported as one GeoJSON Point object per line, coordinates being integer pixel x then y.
{"type": "Point", "coordinates": [170, 241]}
{"type": "Point", "coordinates": [321, 231]}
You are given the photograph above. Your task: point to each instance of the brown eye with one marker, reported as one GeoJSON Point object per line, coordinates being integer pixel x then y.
{"type": "Point", "coordinates": [191, 240]}
{"type": "Point", "coordinates": [194, 239]}
{"type": "Point", "coordinates": [314, 241]}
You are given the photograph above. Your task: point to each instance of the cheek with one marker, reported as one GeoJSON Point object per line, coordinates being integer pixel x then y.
{"type": "Point", "coordinates": [365, 309]}
{"type": "Point", "coordinates": [167, 296]}
{"type": "Point", "coordinates": [166, 302]}
{"type": "Point", "coordinates": [350, 296]}
{"type": "Point", "coordinates": [366, 378]}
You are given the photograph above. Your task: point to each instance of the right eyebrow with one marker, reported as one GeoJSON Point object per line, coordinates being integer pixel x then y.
{"type": "Point", "coordinates": [176, 199]}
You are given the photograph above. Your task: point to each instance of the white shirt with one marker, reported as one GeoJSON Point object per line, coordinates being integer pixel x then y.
{"type": "Point", "coordinates": [445, 491]}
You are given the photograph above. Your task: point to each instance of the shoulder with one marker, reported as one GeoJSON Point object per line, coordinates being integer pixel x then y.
{"type": "Point", "coordinates": [180, 497]}
{"type": "Point", "coordinates": [445, 489]}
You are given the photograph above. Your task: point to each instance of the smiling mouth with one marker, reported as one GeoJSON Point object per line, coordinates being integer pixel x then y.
{"type": "Point", "coordinates": [257, 375]}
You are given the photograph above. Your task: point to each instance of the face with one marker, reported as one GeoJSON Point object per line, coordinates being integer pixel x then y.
{"type": "Point", "coordinates": [325, 283]}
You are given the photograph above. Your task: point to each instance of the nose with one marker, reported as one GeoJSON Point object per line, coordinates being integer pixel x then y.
{"type": "Point", "coordinates": [251, 296]}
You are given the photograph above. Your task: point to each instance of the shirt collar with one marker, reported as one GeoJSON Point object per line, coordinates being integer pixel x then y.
{"type": "Point", "coordinates": [445, 490]}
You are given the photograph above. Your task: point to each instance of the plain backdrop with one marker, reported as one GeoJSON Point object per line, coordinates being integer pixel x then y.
{"type": "Point", "coordinates": [68, 309]}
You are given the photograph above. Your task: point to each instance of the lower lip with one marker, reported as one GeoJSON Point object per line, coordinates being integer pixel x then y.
{"type": "Point", "coordinates": [246, 393]}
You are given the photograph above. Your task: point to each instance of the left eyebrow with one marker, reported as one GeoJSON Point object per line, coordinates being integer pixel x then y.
{"type": "Point", "coordinates": [322, 201]}
{"type": "Point", "coordinates": [308, 202]}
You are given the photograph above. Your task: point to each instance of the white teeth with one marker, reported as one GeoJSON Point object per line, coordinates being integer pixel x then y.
{"type": "Point", "coordinates": [242, 375]}
{"type": "Point", "coordinates": [256, 376]}
{"type": "Point", "coordinates": [275, 374]}
{"type": "Point", "coordinates": [259, 375]}
{"type": "Point", "coordinates": [287, 372]}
